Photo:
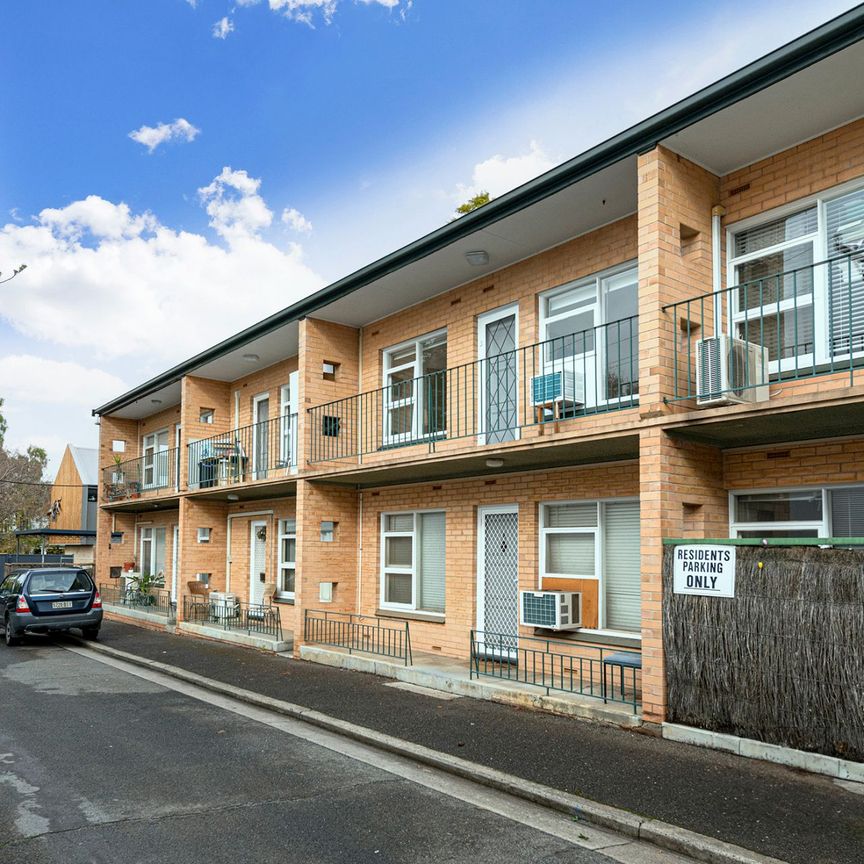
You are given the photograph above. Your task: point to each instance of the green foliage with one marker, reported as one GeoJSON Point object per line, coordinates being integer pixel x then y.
{"type": "Point", "coordinates": [478, 200]}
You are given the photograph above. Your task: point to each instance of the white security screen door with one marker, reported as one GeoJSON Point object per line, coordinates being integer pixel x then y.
{"type": "Point", "coordinates": [260, 452]}
{"type": "Point", "coordinates": [154, 474]}
{"type": "Point", "coordinates": [498, 575]}
{"type": "Point", "coordinates": [498, 376]}
{"type": "Point", "coordinates": [257, 561]}
{"type": "Point", "coordinates": [175, 556]}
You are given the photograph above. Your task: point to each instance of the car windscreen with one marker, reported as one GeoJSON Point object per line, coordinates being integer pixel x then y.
{"type": "Point", "coordinates": [59, 582]}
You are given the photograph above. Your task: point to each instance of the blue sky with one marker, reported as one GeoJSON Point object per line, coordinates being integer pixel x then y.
{"type": "Point", "coordinates": [311, 136]}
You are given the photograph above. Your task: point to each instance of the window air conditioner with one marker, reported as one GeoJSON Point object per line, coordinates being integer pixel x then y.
{"type": "Point", "coordinates": [559, 386]}
{"type": "Point", "coordinates": [552, 610]}
{"type": "Point", "coordinates": [730, 371]}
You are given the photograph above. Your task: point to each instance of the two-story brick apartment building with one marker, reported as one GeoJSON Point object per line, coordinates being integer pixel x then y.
{"type": "Point", "coordinates": [513, 401]}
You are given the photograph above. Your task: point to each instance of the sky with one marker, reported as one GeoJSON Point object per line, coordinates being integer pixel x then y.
{"type": "Point", "coordinates": [172, 171]}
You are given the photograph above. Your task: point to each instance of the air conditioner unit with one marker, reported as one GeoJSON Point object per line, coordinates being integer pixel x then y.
{"type": "Point", "coordinates": [730, 371]}
{"type": "Point", "coordinates": [552, 610]}
{"type": "Point", "coordinates": [562, 385]}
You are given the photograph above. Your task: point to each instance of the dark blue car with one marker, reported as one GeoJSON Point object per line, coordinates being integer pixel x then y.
{"type": "Point", "coordinates": [49, 600]}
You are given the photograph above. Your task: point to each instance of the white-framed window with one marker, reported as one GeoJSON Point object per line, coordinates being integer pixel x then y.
{"type": "Point", "coordinates": [804, 315]}
{"type": "Point", "coordinates": [595, 540]}
{"type": "Point", "coordinates": [285, 585]}
{"type": "Point", "coordinates": [826, 511]}
{"type": "Point", "coordinates": [413, 561]}
{"type": "Point", "coordinates": [589, 331]}
{"type": "Point", "coordinates": [206, 415]}
{"type": "Point", "coordinates": [151, 561]}
{"type": "Point", "coordinates": [154, 467]}
{"type": "Point", "coordinates": [415, 389]}
{"type": "Point", "coordinates": [288, 422]}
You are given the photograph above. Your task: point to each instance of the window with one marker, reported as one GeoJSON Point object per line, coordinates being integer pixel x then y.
{"type": "Point", "coordinates": [118, 446]}
{"type": "Point", "coordinates": [92, 493]}
{"type": "Point", "coordinates": [287, 558]}
{"type": "Point", "coordinates": [802, 314]}
{"type": "Point", "coordinates": [203, 535]}
{"type": "Point", "coordinates": [415, 389]}
{"type": "Point", "coordinates": [206, 415]}
{"type": "Point", "coordinates": [590, 332]}
{"type": "Point", "coordinates": [412, 561]}
{"type": "Point", "coordinates": [826, 512]}
{"type": "Point", "coordinates": [594, 540]}
{"type": "Point", "coordinates": [152, 560]}
{"type": "Point", "coordinates": [154, 449]}
{"type": "Point", "coordinates": [288, 422]}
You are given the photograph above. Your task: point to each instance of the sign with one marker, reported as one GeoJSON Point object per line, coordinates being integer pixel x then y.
{"type": "Point", "coordinates": [708, 571]}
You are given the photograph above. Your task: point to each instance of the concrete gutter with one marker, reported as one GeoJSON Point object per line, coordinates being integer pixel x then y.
{"type": "Point", "coordinates": [662, 834]}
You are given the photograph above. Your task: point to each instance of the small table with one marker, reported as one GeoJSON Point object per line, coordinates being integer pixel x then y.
{"type": "Point", "coordinates": [621, 659]}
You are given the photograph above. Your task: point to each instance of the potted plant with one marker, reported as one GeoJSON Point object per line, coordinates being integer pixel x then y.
{"type": "Point", "coordinates": [118, 475]}
{"type": "Point", "coordinates": [142, 585]}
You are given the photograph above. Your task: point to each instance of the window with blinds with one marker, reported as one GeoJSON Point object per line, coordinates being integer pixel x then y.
{"type": "Point", "coordinates": [595, 540]}
{"type": "Point", "coordinates": [413, 561]}
{"type": "Point", "coordinates": [844, 228]}
{"type": "Point", "coordinates": [847, 512]}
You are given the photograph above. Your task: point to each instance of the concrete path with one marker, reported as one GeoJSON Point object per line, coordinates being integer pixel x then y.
{"type": "Point", "coordinates": [767, 808]}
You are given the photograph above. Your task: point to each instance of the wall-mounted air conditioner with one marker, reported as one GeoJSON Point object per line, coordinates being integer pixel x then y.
{"type": "Point", "coordinates": [730, 371]}
{"type": "Point", "coordinates": [565, 386]}
{"type": "Point", "coordinates": [552, 610]}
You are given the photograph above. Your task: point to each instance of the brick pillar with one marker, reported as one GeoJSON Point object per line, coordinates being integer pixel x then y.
{"type": "Point", "coordinates": [681, 495]}
{"type": "Point", "coordinates": [319, 561]}
{"type": "Point", "coordinates": [194, 557]}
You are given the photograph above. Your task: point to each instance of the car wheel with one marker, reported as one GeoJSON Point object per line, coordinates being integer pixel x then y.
{"type": "Point", "coordinates": [90, 633]}
{"type": "Point", "coordinates": [10, 640]}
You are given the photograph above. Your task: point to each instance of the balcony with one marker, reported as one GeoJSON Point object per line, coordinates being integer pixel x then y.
{"type": "Point", "coordinates": [154, 474]}
{"type": "Point", "coordinates": [262, 451]}
{"type": "Point", "coordinates": [739, 345]}
{"type": "Point", "coordinates": [489, 401]}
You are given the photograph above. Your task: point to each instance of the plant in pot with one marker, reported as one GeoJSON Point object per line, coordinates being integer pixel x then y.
{"type": "Point", "coordinates": [118, 475]}
{"type": "Point", "coordinates": [143, 585]}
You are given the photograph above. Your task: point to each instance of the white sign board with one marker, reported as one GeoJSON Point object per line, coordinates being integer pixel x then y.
{"type": "Point", "coordinates": [705, 570]}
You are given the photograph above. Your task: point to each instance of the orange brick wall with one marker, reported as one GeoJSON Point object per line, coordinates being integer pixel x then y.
{"type": "Point", "coordinates": [460, 500]}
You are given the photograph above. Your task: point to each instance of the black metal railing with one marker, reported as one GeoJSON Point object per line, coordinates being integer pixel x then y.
{"type": "Point", "coordinates": [261, 451]}
{"type": "Point", "coordinates": [156, 601]}
{"type": "Point", "coordinates": [555, 665]}
{"type": "Point", "coordinates": [570, 376]}
{"type": "Point", "coordinates": [790, 325]}
{"type": "Point", "coordinates": [364, 633]}
{"type": "Point", "coordinates": [234, 615]}
{"type": "Point", "coordinates": [155, 473]}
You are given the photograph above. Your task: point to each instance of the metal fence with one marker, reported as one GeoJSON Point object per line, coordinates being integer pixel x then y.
{"type": "Point", "coordinates": [233, 615]}
{"type": "Point", "coordinates": [566, 667]}
{"type": "Point", "coordinates": [570, 376]}
{"type": "Point", "coordinates": [155, 601]}
{"type": "Point", "coordinates": [363, 633]}
{"type": "Point", "coordinates": [139, 477]}
{"type": "Point", "coordinates": [801, 322]}
{"type": "Point", "coordinates": [258, 452]}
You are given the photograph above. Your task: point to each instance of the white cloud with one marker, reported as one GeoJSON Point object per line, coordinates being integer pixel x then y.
{"type": "Point", "coordinates": [296, 221]}
{"type": "Point", "coordinates": [499, 174]}
{"type": "Point", "coordinates": [222, 28]}
{"type": "Point", "coordinates": [30, 379]}
{"type": "Point", "coordinates": [305, 11]}
{"type": "Point", "coordinates": [152, 136]}
{"type": "Point", "coordinates": [128, 291]}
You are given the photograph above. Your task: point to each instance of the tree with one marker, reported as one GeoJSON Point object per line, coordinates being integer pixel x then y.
{"type": "Point", "coordinates": [478, 200]}
{"type": "Point", "coordinates": [24, 493]}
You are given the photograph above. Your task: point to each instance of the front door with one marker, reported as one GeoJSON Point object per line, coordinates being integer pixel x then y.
{"type": "Point", "coordinates": [154, 473]}
{"type": "Point", "coordinates": [499, 382]}
{"type": "Point", "coordinates": [261, 451]}
{"type": "Point", "coordinates": [498, 577]}
{"type": "Point", "coordinates": [257, 561]}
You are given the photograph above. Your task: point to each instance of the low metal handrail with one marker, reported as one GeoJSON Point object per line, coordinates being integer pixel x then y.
{"type": "Point", "coordinates": [142, 476]}
{"type": "Point", "coordinates": [586, 372]}
{"type": "Point", "coordinates": [260, 451]}
{"type": "Point", "coordinates": [609, 674]}
{"type": "Point", "coordinates": [263, 618]}
{"type": "Point", "coordinates": [781, 315]}
{"type": "Point", "coordinates": [364, 633]}
{"type": "Point", "coordinates": [155, 601]}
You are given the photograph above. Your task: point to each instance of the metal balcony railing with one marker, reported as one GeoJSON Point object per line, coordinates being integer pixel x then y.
{"type": "Point", "coordinates": [262, 451]}
{"type": "Point", "coordinates": [609, 674]}
{"type": "Point", "coordinates": [153, 473]}
{"type": "Point", "coordinates": [586, 372]}
{"type": "Point", "coordinates": [795, 324]}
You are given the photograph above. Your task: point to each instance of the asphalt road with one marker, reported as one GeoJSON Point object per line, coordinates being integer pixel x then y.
{"type": "Point", "coordinates": [101, 766]}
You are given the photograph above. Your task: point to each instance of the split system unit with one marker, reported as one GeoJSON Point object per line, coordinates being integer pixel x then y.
{"type": "Point", "coordinates": [730, 371]}
{"type": "Point", "coordinates": [552, 610]}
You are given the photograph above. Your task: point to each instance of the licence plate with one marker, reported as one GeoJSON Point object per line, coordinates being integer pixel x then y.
{"type": "Point", "coordinates": [62, 604]}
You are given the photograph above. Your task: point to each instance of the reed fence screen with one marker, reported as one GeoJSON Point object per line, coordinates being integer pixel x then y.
{"type": "Point", "coordinates": [782, 661]}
